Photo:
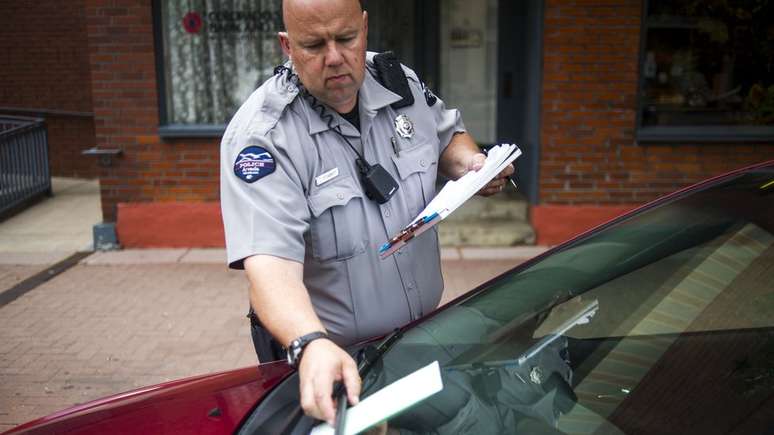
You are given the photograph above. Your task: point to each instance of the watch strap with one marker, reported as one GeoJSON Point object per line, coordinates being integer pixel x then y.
{"type": "Point", "coordinates": [296, 347]}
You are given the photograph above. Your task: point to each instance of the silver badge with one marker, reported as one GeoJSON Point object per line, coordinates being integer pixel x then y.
{"type": "Point", "coordinates": [404, 127]}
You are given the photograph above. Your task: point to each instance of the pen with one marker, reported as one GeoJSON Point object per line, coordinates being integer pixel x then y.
{"type": "Point", "coordinates": [408, 233]}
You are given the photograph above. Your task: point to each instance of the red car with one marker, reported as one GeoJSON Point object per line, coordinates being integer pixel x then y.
{"type": "Point", "coordinates": [660, 321]}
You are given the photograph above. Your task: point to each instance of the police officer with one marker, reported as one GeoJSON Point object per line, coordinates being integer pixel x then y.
{"type": "Point", "coordinates": [302, 218]}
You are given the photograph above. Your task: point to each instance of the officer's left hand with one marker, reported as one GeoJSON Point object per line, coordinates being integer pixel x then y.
{"type": "Point", "coordinates": [498, 183]}
{"type": "Point", "coordinates": [322, 364]}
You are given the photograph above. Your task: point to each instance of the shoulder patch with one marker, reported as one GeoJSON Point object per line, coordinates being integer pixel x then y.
{"type": "Point", "coordinates": [253, 163]}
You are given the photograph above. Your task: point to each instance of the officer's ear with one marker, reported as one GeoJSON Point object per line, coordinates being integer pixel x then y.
{"type": "Point", "coordinates": [284, 42]}
{"type": "Point", "coordinates": [365, 24]}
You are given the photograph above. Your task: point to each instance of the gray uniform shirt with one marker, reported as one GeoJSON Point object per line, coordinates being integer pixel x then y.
{"type": "Point", "coordinates": [290, 188]}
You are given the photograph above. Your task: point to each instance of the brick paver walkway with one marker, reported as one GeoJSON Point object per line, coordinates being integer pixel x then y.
{"type": "Point", "coordinates": [99, 329]}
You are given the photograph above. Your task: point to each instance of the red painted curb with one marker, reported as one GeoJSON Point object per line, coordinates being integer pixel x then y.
{"type": "Point", "coordinates": [170, 225]}
{"type": "Point", "coordinates": [554, 224]}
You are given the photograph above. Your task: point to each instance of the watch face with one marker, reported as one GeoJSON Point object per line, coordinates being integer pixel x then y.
{"type": "Point", "coordinates": [293, 352]}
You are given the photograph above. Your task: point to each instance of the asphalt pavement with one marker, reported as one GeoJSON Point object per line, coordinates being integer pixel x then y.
{"type": "Point", "coordinates": [77, 325]}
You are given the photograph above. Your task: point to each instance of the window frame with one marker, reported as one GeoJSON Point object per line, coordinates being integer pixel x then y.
{"type": "Point", "coordinates": [165, 129]}
{"type": "Point", "coordinates": [727, 134]}
{"type": "Point", "coordinates": [425, 41]}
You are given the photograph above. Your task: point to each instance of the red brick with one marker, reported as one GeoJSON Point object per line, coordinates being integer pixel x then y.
{"type": "Point", "coordinates": [589, 118]}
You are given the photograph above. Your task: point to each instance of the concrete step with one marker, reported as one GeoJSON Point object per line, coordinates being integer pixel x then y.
{"type": "Point", "coordinates": [486, 232]}
{"type": "Point", "coordinates": [499, 220]}
{"type": "Point", "coordinates": [495, 207]}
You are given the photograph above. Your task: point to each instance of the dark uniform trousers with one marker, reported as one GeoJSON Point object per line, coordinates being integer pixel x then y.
{"type": "Point", "coordinates": [266, 347]}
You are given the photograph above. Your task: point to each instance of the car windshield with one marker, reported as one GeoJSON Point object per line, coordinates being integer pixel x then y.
{"type": "Point", "coordinates": [660, 323]}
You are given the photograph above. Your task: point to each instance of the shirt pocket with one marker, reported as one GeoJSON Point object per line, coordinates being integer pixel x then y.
{"type": "Point", "coordinates": [418, 169]}
{"type": "Point", "coordinates": [337, 212]}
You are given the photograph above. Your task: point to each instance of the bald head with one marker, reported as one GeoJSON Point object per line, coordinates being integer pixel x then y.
{"type": "Point", "coordinates": [292, 8]}
{"type": "Point", "coordinates": [326, 41]}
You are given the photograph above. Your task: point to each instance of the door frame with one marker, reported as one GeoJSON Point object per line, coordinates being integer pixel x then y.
{"type": "Point", "coordinates": [520, 54]}
{"type": "Point", "coordinates": [520, 63]}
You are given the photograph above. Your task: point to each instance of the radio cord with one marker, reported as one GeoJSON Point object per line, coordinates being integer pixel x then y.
{"type": "Point", "coordinates": [362, 165]}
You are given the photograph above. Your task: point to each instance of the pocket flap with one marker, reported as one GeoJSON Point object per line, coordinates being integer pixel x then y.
{"type": "Point", "coordinates": [333, 193]}
{"type": "Point", "coordinates": [417, 159]}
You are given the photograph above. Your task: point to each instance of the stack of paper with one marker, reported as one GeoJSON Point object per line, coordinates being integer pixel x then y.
{"type": "Point", "coordinates": [453, 195]}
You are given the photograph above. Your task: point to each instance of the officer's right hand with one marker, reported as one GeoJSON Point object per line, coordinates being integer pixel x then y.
{"type": "Point", "coordinates": [322, 364]}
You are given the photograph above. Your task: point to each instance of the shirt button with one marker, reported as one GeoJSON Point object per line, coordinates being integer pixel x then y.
{"type": "Point", "coordinates": [340, 195]}
{"type": "Point", "coordinates": [422, 163]}
{"type": "Point", "coordinates": [411, 286]}
{"type": "Point", "coordinates": [387, 213]}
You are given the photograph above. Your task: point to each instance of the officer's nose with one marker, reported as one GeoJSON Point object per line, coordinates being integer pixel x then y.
{"type": "Point", "coordinates": [333, 55]}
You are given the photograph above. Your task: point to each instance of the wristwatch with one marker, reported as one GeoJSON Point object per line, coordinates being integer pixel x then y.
{"type": "Point", "coordinates": [296, 347]}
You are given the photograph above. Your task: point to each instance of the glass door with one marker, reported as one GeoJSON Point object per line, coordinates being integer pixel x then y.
{"type": "Point", "coordinates": [468, 64]}
{"type": "Point", "coordinates": [484, 58]}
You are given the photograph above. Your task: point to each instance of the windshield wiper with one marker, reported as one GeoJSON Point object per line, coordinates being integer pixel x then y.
{"type": "Point", "coordinates": [580, 318]}
{"type": "Point", "coordinates": [369, 355]}
{"type": "Point", "coordinates": [556, 331]}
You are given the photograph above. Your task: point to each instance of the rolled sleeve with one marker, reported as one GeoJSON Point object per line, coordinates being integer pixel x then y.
{"type": "Point", "coordinates": [448, 122]}
{"type": "Point", "coordinates": [268, 216]}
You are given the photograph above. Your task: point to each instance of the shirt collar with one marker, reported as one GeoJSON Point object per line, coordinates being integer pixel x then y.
{"type": "Point", "coordinates": [371, 97]}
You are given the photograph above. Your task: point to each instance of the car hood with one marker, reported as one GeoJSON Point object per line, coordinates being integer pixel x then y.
{"type": "Point", "coordinates": [209, 404]}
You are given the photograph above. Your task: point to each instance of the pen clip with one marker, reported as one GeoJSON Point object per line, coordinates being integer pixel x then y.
{"type": "Point", "coordinates": [395, 146]}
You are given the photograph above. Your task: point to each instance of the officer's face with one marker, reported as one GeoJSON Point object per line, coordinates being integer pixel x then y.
{"type": "Point", "coordinates": [326, 40]}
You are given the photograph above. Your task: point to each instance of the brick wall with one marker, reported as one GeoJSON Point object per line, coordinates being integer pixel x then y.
{"type": "Point", "coordinates": [126, 115]}
{"type": "Point", "coordinates": [588, 154]}
{"type": "Point", "coordinates": [45, 73]}
{"type": "Point", "coordinates": [68, 136]}
{"type": "Point", "coordinates": [44, 56]}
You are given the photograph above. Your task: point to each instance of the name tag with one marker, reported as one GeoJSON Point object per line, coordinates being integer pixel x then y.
{"type": "Point", "coordinates": [328, 176]}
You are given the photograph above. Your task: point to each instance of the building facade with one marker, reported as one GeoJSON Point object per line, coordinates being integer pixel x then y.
{"type": "Point", "coordinates": [614, 102]}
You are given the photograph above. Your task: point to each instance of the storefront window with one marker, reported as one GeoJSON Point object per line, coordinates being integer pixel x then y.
{"type": "Point", "coordinates": [215, 53]}
{"type": "Point", "coordinates": [708, 64]}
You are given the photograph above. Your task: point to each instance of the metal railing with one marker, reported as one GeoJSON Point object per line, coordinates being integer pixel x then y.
{"type": "Point", "coordinates": [24, 167]}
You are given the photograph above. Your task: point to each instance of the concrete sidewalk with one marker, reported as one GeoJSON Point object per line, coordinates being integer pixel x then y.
{"type": "Point", "coordinates": [60, 224]}
{"type": "Point", "coordinates": [124, 319]}
{"type": "Point", "coordinates": [50, 231]}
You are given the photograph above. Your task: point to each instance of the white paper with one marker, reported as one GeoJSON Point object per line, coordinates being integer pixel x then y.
{"type": "Point", "coordinates": [456, 192]}
{"type": "Point", "coordinates": [390, 400]}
